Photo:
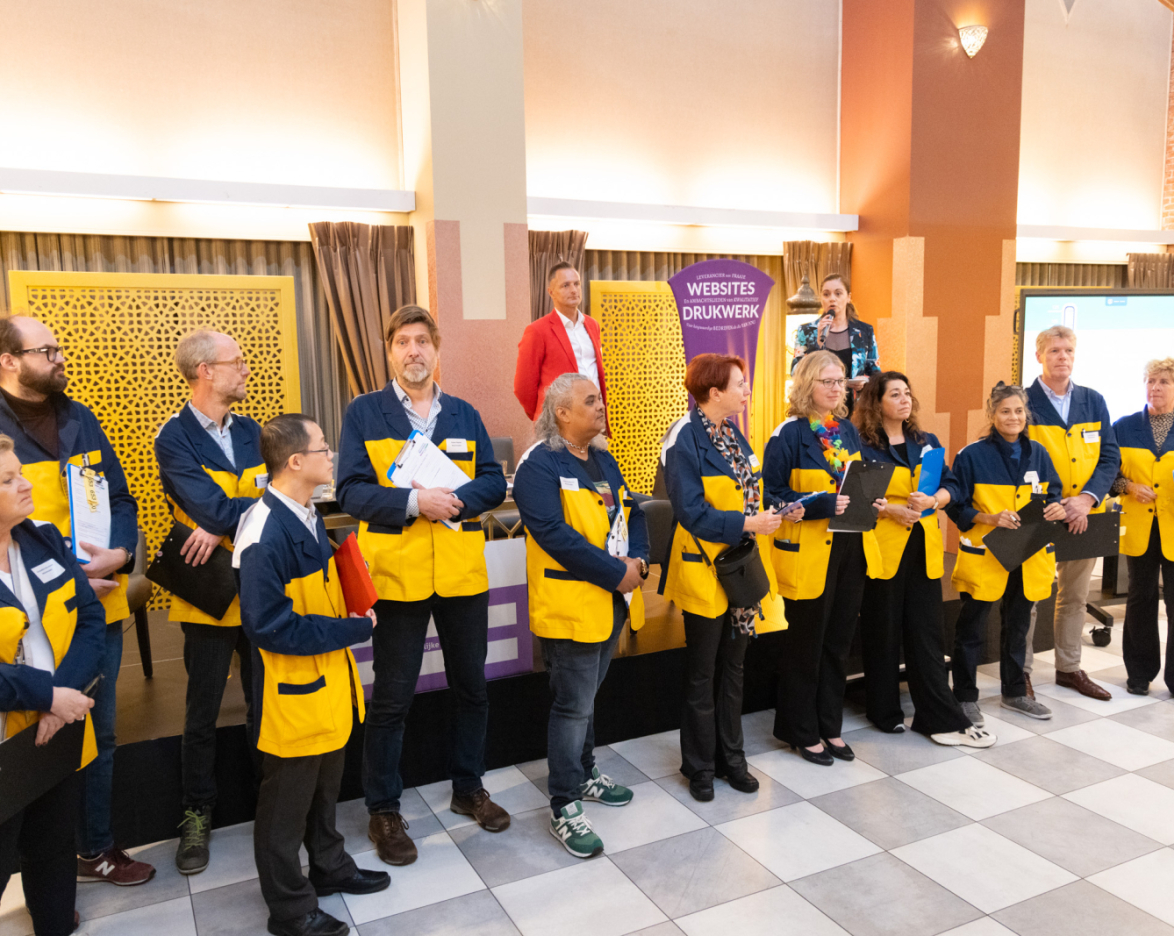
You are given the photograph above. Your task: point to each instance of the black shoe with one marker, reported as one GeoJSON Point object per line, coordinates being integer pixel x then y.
{"type": "Point", "coordinates": [361, 882]}
{"type": "Point", "coordinates": [1137, 686]}
{"type": "Point", "coordinates": [840, 751]}
{"type": "Point", "coordinates": [823, 758]}
{"type": "Point", "coordinates": [743, 781]}
{"type": "Point", "coordinates": [314, 923]}
{"type": "Point", "coordinates": [192, 855]}
{"type": "Point", "coordinates": [701, 788]}
{"type": "Point", "coordinates": [898, 728]}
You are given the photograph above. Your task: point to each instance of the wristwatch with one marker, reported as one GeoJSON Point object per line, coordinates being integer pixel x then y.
{"type": "Point", "coordinates": [643, 568]}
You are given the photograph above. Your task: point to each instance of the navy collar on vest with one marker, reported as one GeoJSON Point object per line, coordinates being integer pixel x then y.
{"type": "Point", "coordinates": [211, 453]}
{"type": "Point", "coordinates": [712, 455]}
{"type": "Point", "coordinates": [1004, 448]}
{"type": "Point", "coordinates": [68, 426]}
{"type": "Point", "coordinates": [320, 549]}
{"type": "Point", "coordinates": [33, 551]}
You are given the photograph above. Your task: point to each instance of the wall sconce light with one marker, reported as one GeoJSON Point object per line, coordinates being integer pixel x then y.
{"type": "Point", "coordinates": [972, 38]}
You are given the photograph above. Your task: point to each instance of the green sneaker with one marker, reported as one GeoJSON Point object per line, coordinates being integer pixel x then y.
{"type": "Point", "coordinates": [574, 831]}
{"type": "Point", "coordinates": [602, 789]}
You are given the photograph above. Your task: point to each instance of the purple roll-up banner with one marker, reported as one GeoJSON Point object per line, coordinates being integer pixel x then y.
{"type": "Point", "coordinates": [720, 304]}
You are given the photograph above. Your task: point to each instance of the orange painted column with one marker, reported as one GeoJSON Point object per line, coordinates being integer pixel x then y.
{"type": "Point", "coordinates": [930, 162]}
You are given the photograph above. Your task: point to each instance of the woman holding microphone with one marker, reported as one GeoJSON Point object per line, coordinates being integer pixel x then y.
{"type": "Point", "coordinates": [903, 600]}
{"type": "Point", "coordinates": [52, 638]}
{"type": "Point", "coordinates": [999, 475]}
{"type": "Point", "coordinates": [1146, 486]}
{"type": "Point", "coordinates": [820, 574]}
{"type": "Point", "coordinates": [839, 330]}
{"type": "Point", "coordinates": [715, 487]}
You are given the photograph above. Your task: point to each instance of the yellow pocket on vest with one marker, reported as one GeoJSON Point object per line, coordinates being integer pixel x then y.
{"type": "Point", "coordinates": [785, 557]}
{"type": "Point", "coordinates": [301, 710]}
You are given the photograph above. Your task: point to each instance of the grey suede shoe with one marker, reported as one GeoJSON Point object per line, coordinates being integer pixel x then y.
{"type": "Point", "coordinates": [1027, 706]}
{"type": "Point", "coordinates": [974, 713]}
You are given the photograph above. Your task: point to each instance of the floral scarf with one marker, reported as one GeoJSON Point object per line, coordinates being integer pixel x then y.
{"type": "Point", "coordinates": [723, 439]}
{"type": "Point", "coordinates": [828, 433]}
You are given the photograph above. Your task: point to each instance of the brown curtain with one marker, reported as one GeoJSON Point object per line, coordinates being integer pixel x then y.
{"type": "Point", "coordinates": [367, 272]}
{"type": "Point", "coordinates": [546, 249]}
{"type": "Point", "coordinates": [323, 389]}
{"type": "Point", "coordinates": [1150, 271]}
{"type": "Point", "coordinates": [1075, 275]}
{"type": "Point", "coordinates": [815, 259]}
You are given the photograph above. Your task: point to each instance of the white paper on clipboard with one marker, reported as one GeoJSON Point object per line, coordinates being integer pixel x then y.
{"type": "Point", "coordinates": [89, 509]}
{"type": "Point", "coordinates": [421, 460]}
{"type": "Point", "coordinates": [617, 540]}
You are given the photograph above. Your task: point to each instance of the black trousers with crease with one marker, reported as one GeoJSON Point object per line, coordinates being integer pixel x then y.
{"type": "Point", "coordinates": [711, 720]}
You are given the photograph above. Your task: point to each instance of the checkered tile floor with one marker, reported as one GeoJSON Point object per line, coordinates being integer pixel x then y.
{"type": "Point", "coordinates": [1064, 827]}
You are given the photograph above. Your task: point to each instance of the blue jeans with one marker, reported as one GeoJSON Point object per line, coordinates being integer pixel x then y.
{"type": "Point", "coordinates": [462, 624]}
{"type": "Point", "coordinates": [94, 835]}
{"type": "Point", "coordinates": [576, 672]}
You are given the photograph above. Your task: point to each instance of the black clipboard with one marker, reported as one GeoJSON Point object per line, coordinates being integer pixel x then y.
{"type": "Point", "coordinates": [27, 771]}
{"type": "Point", "coordinates": [1102, 538]}
{"type": "Point", "coordinates": [1014, 547]}
{"type": "Point", "coordinates": [864, 482]}
{"type": "Point", "coordinates": [211, 587]}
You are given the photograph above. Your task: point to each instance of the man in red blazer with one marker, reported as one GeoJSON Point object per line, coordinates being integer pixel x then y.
{"type": "Point", "coordinates": [565, 341]}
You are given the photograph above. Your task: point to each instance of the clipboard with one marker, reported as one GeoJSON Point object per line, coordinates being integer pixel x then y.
{"type": "Point", "coordinates": [864, 482]}
{"type": "Point", "coordinates": [422, 460]}
{"type": "Point", "coordinates": [210, 587]}
{"type": "Point", "coordinates": [1014, 547]}
{"type": "Point", "coordinates": [932, 463]}
{"type": "Point", "coordinates": [28, 771]}
{"type": "Point", "coordinates": [89, 509]}
{"type": "Point", "coordinates": [1102, 538]}
{"type": "Point", "coordinates": [357, 588]}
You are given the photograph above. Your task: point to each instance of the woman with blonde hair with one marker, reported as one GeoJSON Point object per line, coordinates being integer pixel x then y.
{"type": "Point", "coordinates": [1147, 458]}
{"type": "Point", "coordinates": [1000, 474]}
{"type": "Point", "coordinates": [820, 574]}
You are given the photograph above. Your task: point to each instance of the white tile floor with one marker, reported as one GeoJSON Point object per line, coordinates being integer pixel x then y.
{"type": "Point", "coordinates": [1064, 827]}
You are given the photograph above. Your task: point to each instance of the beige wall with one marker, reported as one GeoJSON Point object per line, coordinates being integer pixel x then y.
{"type": "Point", "coordinates": [663, 102]}
{"type": "Point", "coordinates": [1094, 113]}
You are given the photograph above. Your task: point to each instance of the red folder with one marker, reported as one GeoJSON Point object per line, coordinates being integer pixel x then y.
{"type": "Point", "coordinates": [357, 588]}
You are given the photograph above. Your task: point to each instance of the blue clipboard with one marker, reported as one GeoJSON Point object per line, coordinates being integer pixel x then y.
{"type": "Point", "coordinates": [932, 463]}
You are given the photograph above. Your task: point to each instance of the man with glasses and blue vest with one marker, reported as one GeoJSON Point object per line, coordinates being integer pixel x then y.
{"type": "Point", "coordinates": [50, 432]}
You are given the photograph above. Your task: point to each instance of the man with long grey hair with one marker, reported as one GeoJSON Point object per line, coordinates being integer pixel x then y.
{"type": "Point", "coordinates": [586, 557]}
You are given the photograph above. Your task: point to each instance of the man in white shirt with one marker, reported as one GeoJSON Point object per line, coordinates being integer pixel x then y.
{"type": "Point", "coordinates": [565, 341]}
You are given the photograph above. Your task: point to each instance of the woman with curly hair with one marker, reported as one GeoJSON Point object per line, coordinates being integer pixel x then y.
{"type": "Point", "coordinates": [820, 574]}
{"type": "Point", "coordinates": [903, 599]}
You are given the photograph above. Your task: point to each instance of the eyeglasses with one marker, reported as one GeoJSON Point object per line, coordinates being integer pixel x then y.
{"type": "Point", "coordinates": [832, 384]}
{"type": "Point", "coordinates": [320, 451]}
{"type": "Point", "coordinates": [238, 363]}
{"type": "Point", "coordinates": [52, 353]}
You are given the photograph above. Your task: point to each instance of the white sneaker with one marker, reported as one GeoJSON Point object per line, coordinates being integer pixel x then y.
{"type": "Point", "coordinates": [970, 737]}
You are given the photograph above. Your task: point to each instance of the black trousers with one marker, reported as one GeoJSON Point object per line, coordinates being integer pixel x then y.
{"type": "Point", "coordinates": [970, 636]}
{"type": "Point", "coordinates": [296, 805]}
{"type": "Point", "coordinates": [1140, 645]}
{"type": "Point", "coordinates": [907, 609]}
{"type": "Point", "coordinates": [711, 721]}
{"type": "Point", "coordinates": [815, 649]}
{"type": "Point", "coordinates": [42, 836]}
{"type": "Point", "coordinates": [207, 657]}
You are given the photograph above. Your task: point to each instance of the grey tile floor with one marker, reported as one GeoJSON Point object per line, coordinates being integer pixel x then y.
{"type": "Point", "coordinates": [1064, 827]}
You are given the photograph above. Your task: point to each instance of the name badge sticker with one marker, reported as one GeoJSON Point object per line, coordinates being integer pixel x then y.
{"type": "Point", "coordinates": [569, 484]}
{"type": "Point", "coordinates": [456, 445]}
{"type": "Point", "coordinates": [262, 481]}
{"type": "Point", "coordinates": [753, 460]}
{"type": "Point", "coordinates": [1032, 478]}
{"type": "Point", "coordinates": [1091, 435]}
{"type": "Point", "coordinates": [48, 570]}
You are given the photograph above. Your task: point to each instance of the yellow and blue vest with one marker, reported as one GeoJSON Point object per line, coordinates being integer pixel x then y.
{"type": "Point", "coordinates": [80, 441]}
{"type": "Point", "coordinates": [1083, 451]}
{"type": "Point", "coordinates": [305, 679]}
{"type": "Point", "coordinates": [74, 621]}
{"type": "Point", "coordinates": [992, 483]}
{"type": "Point", "coordinates": [204, 489]}
{"type": "Point", "coordinates": [412, 558]}
{"type": "Point", "coordinates": [793, 465]}
{"type": "Point", "coordinates": [1145, 463]}
{"type": "Point", "coordinates": [571, 577]}
{"type": "Point", "coordinates": [708, 502]}
{"type": "Point", "coordinates": [891, 536]}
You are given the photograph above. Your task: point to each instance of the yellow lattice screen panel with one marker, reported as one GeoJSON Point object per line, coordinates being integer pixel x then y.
{"type": "Point", "coordinates": [644, 363]}
{"type": "Point", "coordinates": [119, 332]}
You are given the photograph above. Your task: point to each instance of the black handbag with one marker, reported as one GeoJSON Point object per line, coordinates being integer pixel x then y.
{"type": "Point", "coordinates": [740, 572]}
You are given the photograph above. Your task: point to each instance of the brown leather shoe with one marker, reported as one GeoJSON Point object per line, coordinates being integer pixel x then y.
{"type": "Point", "coordinates": [1030, 692]}
{"type": "Point", "coordinates": [389, 833]}
{"type": "Point", "coordinates": [490, 816]}
{"type": "Point", "coordinates": [1082, 684]}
